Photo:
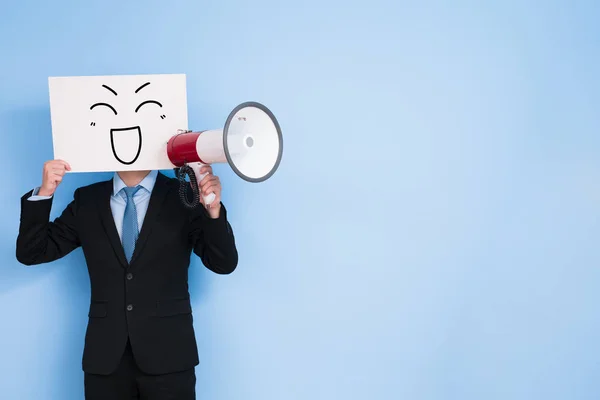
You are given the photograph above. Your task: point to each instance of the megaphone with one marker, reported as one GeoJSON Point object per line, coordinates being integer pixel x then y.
{"type": "Point", "coordinates": [250, 142]}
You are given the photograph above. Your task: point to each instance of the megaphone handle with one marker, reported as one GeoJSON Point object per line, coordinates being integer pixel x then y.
{"type": "Point", "coordinates": [199, 176]}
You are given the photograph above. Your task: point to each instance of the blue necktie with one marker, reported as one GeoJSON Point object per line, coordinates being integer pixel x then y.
{"type": "Point", "coordinates": [130, 221]}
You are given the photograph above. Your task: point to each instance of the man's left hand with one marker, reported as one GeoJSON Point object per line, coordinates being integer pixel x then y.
{"type": "Point", "coordinates": [210, 183]}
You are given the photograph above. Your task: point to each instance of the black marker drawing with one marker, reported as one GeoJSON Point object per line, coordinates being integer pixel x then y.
{"type": "Point", "coordinates": [105, 105]}
{"type": "Point", "coordinates": [148, 102]}
{"type": "Point", "coordinates": [115, 133]}
{"type": "Point", "coordinates": [124, 130]}
{"type": "Point", "coordinates": [143, 86]}
{"type": "Point", "coordinates": [115, 93]}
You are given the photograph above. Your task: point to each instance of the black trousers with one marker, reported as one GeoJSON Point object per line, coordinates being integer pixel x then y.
{"type": "Point", "coordinates": [128, 382]}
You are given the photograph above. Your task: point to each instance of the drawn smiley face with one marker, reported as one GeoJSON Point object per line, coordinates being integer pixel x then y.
{"type": "Point", "coordinates": [121, 138]}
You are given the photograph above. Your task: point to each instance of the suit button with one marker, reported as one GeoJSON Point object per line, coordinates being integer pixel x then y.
{"type": "Point", "coordinates": [129, 276]}
{"type": "Point", "coordinates": [129, 307]}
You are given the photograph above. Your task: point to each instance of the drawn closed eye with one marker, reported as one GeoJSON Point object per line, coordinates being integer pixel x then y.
{"type": "Point", "coordinates": [105, 105]}
{"type": "Point", "coordinates": [148, 102]}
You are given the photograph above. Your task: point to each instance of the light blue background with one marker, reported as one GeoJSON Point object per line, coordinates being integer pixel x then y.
{"type": "Point", "coordinates": [432, 232]}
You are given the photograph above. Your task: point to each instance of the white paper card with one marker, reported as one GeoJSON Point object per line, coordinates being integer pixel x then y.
{"type": "Point", "coordinates": [118, 122]}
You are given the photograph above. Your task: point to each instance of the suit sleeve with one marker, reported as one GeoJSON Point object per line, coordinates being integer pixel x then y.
{"type": "Point", "coordinates": [41, 240]}
{"type": "Point", "coordinates": [213, 241]}
{"type": "Point", "coordinates": [35, 197]}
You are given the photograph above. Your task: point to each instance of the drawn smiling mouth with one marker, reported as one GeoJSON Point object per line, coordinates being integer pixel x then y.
{"type": "Point", "coordinates": [126, 144]}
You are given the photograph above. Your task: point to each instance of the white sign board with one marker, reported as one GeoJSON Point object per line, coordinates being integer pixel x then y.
{"type": "Point", "coordinates": [116, 123]}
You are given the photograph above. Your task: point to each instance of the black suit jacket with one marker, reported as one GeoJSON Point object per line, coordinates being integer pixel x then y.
{"type": "Point", "coordinates": [146, 300]}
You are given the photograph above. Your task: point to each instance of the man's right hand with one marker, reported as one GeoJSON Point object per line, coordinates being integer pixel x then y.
{"type": "Point", "coordinates": [52, 176]}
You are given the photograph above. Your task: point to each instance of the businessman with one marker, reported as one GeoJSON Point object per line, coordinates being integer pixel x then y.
{"type": "Point", "coordinates": [137, 239]}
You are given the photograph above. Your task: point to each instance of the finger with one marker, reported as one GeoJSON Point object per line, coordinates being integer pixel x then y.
{"type": "Point", "coordinates": [204, 195]}
{"type": "Point", "coordinates": [216, 189]}
{"type": "Point", "coordinates": [56, 169]}
{"type": "Point", "coordinates": [65, 164]}
{"type": "Point", "coordinates": [209, 181]}
{"type": "Point", "coordinates": [205, 179]}
{"type": "Point", "coordinates": [216, 199]}
{"type": "Point", "coordinates": [211, 189]}
{"type": "Point", "coordinates": [60, 172]}
{"type": "Point", "coordinates": [206, 169]}
{"type": "Point", "coordinates": [59, 164]}
{"type": "Point", "coordinates": [54, 173]}
{"type": "Point", "coordinates": [215, 202]}
{"type": "Point", "coordinates": [56, 178]}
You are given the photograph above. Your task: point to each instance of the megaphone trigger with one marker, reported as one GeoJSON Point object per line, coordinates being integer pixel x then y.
{"type": "Point", "coordinates": [196, 167]}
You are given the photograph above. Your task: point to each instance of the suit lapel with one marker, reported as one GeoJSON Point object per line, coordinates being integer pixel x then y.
{"type": "Point", "coordinates": [109, 222]}
{"type": "Point", "coordinates": [159, 194]}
